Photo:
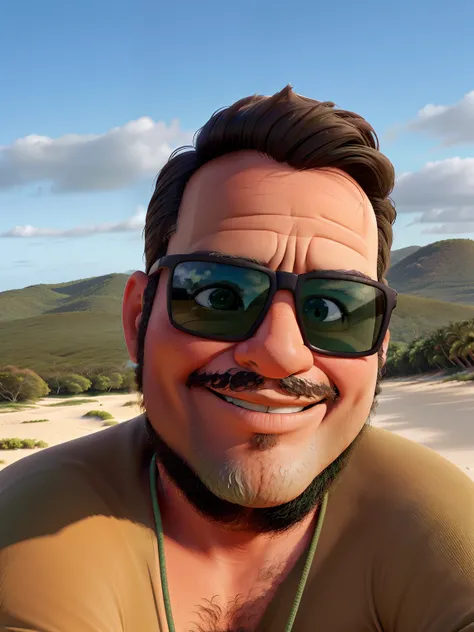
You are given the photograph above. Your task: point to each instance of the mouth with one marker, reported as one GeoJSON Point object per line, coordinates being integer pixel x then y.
{"type": "Point", "coordinates": [274, 410]}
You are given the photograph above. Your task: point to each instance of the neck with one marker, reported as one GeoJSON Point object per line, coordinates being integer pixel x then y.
{"type": "Point", "coordinates": [221, 543]}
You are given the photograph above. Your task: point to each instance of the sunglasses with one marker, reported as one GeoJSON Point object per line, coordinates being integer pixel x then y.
{"type": "Point", "coordinates": [221, 298]}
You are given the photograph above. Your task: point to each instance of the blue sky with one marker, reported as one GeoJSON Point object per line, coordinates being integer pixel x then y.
{"type": "Point", "coordinates": [72, 192]}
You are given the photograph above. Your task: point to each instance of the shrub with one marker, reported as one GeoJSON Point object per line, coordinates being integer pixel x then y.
{"type": "Point", "coordinates": [15, 443]}
{"type": "Point", "coordinates": [111, 422]}
{"type": "Point", "coordinates": [116, 381]}
{"type": "Point", "coordinates": [101, 383]}
{"type": "Point", "coordinates": [34, 421]}
{"type": "Point", "coordinates": [131, 403]}
{"type": "Point", "coordinates": [75, 384]}
{"type": "Point", "coordinates": [21, 385]}
{"type": "Point", "coordinates": [99, 414]}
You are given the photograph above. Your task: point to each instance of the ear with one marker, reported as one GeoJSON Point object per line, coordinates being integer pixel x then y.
{"type": "Point", "coordinates": [385, 345]}
{"type": "Point", "coordinates": [132, 311]}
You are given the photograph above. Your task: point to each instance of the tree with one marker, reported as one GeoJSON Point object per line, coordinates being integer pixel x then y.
{"type": "Point", "coordinates": [75, 384]}
{"type": "Point", "coordinates": [21, 385]}
{"type": "Point", "coordinates": [116, 381]}
{"type": "Point", "coordinates": [101, 383]}
{"type": "Point", "coordinates": [129, 383]}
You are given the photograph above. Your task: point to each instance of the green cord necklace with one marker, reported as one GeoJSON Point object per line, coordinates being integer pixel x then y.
{"type": "Point", "coordinates": [162, 561]}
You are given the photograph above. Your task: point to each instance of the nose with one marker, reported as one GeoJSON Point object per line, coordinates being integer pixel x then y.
{"type": "Point", "coordinates": [277, 349]}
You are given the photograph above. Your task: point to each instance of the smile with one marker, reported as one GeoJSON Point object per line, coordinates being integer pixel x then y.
{"type": "Point", "coordinates": [276, 410]}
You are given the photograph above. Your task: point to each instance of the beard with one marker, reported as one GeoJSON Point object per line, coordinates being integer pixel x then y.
{"type": "Point", "coordinates": [275, 519]}
{"type": "Point", "coordinates": [259, 520]}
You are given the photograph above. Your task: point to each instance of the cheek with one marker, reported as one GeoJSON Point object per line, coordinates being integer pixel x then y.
{"type": "Point", "coordinates": [354, 378]}
{"type": "Point", "coordinates": [172, 355]}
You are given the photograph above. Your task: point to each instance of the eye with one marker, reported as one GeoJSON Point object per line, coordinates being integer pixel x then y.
{"type": "Point", "coordinates": [322, 310]}
{"type": "Point", "coordinates": [223, 298]}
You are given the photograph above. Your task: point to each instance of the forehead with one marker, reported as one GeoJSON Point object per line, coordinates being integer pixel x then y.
{"type": "Point", "coordinates": [246, 204]}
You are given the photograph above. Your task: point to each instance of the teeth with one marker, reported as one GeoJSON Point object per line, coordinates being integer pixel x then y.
{"type": "Point", "coordinates": [263, 409]}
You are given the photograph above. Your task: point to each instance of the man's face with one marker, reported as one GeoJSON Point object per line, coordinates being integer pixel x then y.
{"type": "Point", "coordinates": [247, 205]}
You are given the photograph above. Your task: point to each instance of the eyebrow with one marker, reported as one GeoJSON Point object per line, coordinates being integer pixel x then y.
{"type": "Point", "coordinates": [259, 262]}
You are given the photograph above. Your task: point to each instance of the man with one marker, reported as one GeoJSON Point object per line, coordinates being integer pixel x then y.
{"type": "Point", "coordinates": [251, 494]}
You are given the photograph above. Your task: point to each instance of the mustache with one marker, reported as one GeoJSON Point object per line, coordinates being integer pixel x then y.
{"type": "Point", "coordinates": [235, 380]}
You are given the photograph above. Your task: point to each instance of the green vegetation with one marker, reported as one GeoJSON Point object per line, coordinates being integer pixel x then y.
{"type": "Point", "coordinates": [34, 421]}
{"type": "Point", "coordinates": [74, 402]}
{"type": "Point", "coordinates": [449, 348]}
{"type": "Point", "coordinates": [415, 316]}
{"type": "Point", "coordinates": [460, 377]}
{"type": "Point", "coordinates": [78, 342]}
{"type": "Point", "coordinates": [131, 403]}
{"type": "Point", "coordinates": [111, 422]}
{"type": "Point", "coordinates": [2, 462]}
{"type": "Point", "coordinates": [9, 407]}
{"type": "Point", "coordinates": [70, 328]}
{"type": "Point", "coordinates": [443, 270]}
{"type": "Point", "coordinates": [98, 294]}
{"type": "Point", "coordinates": [99, 414]}
{"type": "Point", "coordinates": [21, 385]}
{"type": "Point", "coordinates": [18, 444]}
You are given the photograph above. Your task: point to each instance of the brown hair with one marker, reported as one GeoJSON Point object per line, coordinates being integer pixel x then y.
{"type": "Point", "coordinates": [287, 127]}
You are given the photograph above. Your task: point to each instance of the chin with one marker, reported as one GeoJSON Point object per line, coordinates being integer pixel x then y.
{"type": "Point", "coordinates": [260, 481]}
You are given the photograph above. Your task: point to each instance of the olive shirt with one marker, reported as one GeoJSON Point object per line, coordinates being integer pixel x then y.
{"type": "Point", "coordinates": [78, 550]}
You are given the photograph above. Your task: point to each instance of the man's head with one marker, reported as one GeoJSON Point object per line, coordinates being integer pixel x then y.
{"type": "Point", "coordinates": [290, 185]}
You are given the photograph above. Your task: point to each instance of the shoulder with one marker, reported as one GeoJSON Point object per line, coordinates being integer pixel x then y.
{"type": "Point", "coordinates": [74, 477]}
{"type": "Point", "coordinates": [64, 515]}
{"type": "Point", "coordinates": [417, 512]}
{"type": "Point", "coordinates": [413, 490]}
{"type": "Point", "coordinates": [406, 474]}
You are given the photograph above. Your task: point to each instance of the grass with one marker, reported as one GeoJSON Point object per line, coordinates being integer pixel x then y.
{"type": "Point", "coordinates": [460, 377]}
{"type": "Point", "coordinates": [99, 414]}
{"type": "Point", "coordinates": [416, 316]}
{"type": "Point", "coordinates": [73, 341]}
{"type": "Point", "coordinates": [73, 402]}
{"type": "Point", "coordinates": [34, 421]}
{"type": "Point", "coordinates": [131, 403]}
{"type": "Point", "coordinates": [9, 407]}
{"type": "Point", "coordinates": [111, 422]}
{"type": "Point", "coordinates": [15, 443]}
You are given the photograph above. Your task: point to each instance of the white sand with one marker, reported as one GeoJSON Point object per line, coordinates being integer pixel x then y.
{"type": "Point", "coordinates": [64, 422]}
{"type": "Point", "coordinates": [438, 415]}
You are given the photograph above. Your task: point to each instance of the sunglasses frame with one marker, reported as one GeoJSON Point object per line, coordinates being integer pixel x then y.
{"type": "Point", "coordinates": [278, 281]}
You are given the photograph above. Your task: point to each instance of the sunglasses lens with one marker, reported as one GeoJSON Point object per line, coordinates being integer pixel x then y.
{"type": "Point", "coordinates": [217, 300]}
{"type": "Point", "coordinates": [341, 316]}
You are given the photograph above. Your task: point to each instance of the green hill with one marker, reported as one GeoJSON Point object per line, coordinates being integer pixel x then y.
{"type": "Point", "coordinates": [71, 340]}
{"type": "Point", "coordinates": [77, 325]}
{"type": "Point", "coordinates": [401, 253]}
{"type": "Point", "coordinates": [87, 331]}
{"type": "Point", "coordinates": [416, 316]}
{"type": "Point", "coordinates": [98, 294]}
{"type": "Point", "coordinates": [443, 270]}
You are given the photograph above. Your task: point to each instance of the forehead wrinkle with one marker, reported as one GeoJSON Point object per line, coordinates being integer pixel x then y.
{"type": "Point", "coordinates": [355, 240]}
{"type": "Point", "coordinates": [285, 236]}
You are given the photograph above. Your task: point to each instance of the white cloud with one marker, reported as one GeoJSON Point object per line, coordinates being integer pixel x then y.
{"type": "Point", "coordinates": [442, 193]}
{"type": "Point", "coordinates": [134, 223]}
{"type": "Point", "coordinates": [108, 161]}
{"type": "Point", "coordinates": [452, 124]}
{"type": "Point", "coordinates": [450, 229]}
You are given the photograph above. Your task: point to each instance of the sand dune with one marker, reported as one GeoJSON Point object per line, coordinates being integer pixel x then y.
{"type": "Point", "coordinates": [64, 422]}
